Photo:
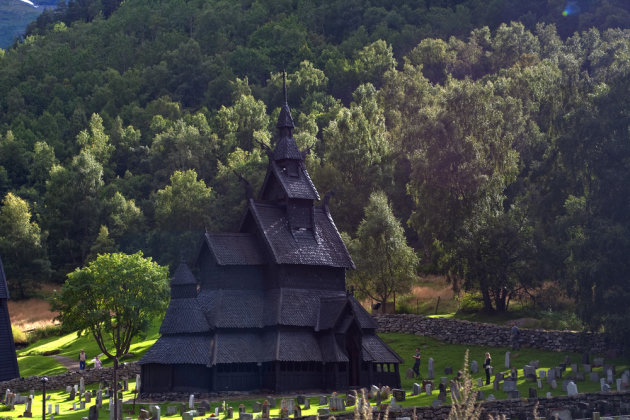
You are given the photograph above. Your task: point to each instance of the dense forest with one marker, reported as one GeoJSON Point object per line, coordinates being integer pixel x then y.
{"type": "Point", "coordinates": [495, 133]}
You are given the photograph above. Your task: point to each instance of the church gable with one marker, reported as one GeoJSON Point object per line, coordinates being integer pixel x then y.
{"type": "Point", "coordinates": [8, 360]}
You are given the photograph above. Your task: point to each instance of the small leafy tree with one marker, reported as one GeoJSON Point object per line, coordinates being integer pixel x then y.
{"type": "Point", "coordinates": [385, 263]}
{"type": "Point", "coordinates": [114, 298]}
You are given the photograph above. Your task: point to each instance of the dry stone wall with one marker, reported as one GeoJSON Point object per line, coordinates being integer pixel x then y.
{"type": "Point", "coordinates": [476, 333]}
{"type": "Point", "coordinates": [70, 378]}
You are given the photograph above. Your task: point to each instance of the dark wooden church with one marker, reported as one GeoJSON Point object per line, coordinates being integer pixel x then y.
{"type": "Point", "coordinates": [8, 361]}
{"type": "Point", "coordinates": [270, 308]}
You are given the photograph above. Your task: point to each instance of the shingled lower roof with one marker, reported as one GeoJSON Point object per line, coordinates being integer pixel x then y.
{"type": "Point", "coordinates": [325, 249]}
{"type": "Point", "coordinates": [4, 289]}
{"type": "Point", "coordinates": [375, 350]}
{"type": "Point", "coordinates": [183, 276]}
{"type": "Point", "coordinates": [184, 316]}
{"type": "Point", "coordinates": [331, 351]}
{"type": "Point", "coordinates": [232, 308]}
{"type": "Point", "coordinates": [183, 349]}
{"type": "Point", "coordinates": [363, 317]}
{"type": "Point", "coordinates": [235, 248]}
{"type": "Point", "coordinates": [330, 309]}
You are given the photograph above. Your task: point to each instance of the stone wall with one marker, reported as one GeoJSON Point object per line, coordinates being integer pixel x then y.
{"type": "Point", "coordinates": [580, 406]}
{"type": "Point", "coordinates": [70, 378]}
{"type": "Point", "coordinates": [476, 333]}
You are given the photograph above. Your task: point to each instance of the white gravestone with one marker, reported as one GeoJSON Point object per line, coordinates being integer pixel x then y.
{"type": "Point", "coordinates": [191, 401]}
{"type": "Point", "coordinates": [572, 389]}
{"type": "Point", "coordinates": [507, 359]}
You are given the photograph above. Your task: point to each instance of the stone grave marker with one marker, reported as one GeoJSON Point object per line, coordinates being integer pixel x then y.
{"type": "Point", "coordinates": [564, 385]}
{"type": "Point", "coordinates": [561, 414]}
{"type": "Point", "coordinates": [88, 397]}
{"type": "Point", "coordinates": [598, 361]}
{"type": "Point", "coordinates": [191, 401]}
{"type": "Point", "coordinates": [72, 394]}
{"type": "Point", "coordinates": [373, 391]}
{"type": "Point", "coordinates": [49, 411]}
{"type": "Point", "coordinates": [579, 376]}
{"type": "Point", "coordinates": [542, 373]}
{"type": "Point", "coordinates": [323, 411]}
{"type": "Point", "coordinates": [74, 406]}
{"type": "Point", "coordinates": [436, 403]}
{"type": "Point", "coordinates": [539, 384]}
{"type": "Point", "coordinates": [574, 367]}
{"type": "Point", "coordinates": [514, 394]}
{"type": "Point", "coordinates": [57, 409]}
{"type": "Point", "coordinates": [442, 393]}
{"type": "Point", "coordinates": [509, 385]}
{"type": "Point", "coordinates": [619, 384]}
{"type": "Point", "coordinates": [448, 370]}
{"type": "Point", "coordinates": [189, 415]}
{"type": "Point", "coordinates": [272, 401]}
{"type": "Point", "coordinates": [81, 385]}
{"type": "Point", "coordinates": [454, 390]}
{"type": "Point", "coordinates": [498, 377]}
{"type": "Point", "coordinates": [143, 414]}
{"type": "Point", "coordinates": [514, 374]}
{"type": "Point", "coordinates": [554, 384]}
{"type": "Point", "coordinates": [610, 376]}
{"type": "Point", "coordinates": [230, 412]}
{"type": "Point", "coordinates": [416, 389]}
{"type": "Point", "coordinates": [307, 403]}
{"type": "Point", "coordinates": [284, 413]}
{"type": "Point", "coordinates": [93, 413]}
{"type": "Point", "coordinates": [572, 389]}
{"type": "Point", "coordinates": [529, 372]}
{"type": "Point", "coordinates": [479, 382]}
{"type": "Point", "coordinates": [301, 399]}
{"type": "Point", "coordinates": [548, 395]}
{"type": "Point", "coordinates": [216, 411]}
{"type": "Point", "coordinates": [430, 373]}
{"type": "Point", "coordinates": [257, 406]}
{"type": "Point", "coordinates": [68, 389]}
{"type": "Point", "coordinates": [323, 400]}
{"type": "Point", "coordinates": [429, 389]}
{"type": "Point", "coordinates": [594, 377]}
{"type": "Point", "coordinates": [534, 363]}
{"type": "Point", "coordinates": [399, 394]}
{"type": "Point", "coordinates": [350, 400]}
{"type": "Point", "coordinates": [246, 416]}
{"type": "Point", "coordinates": [171, 410]}
{"type": "Point", "coordinates": [409, 374]}
{"type": "Point", "coordinates": [507, 359]}
{"type": "Point", "coordinates": [474, 366]}
{"type": "Point", "coordinates": [586, 368]}
{"type": "Point", "coordinates": [297, 411]}
{"type": "Point", "coordinates": [491, 397]}
{"type": "Point", "coordinates": [290, 405]}
{"type": "Point", "coordinates": [265, 409]}
{"type": "Point", "coordinates": [82, 405]}
{"type": "Point", "coordinates": [29, 405]}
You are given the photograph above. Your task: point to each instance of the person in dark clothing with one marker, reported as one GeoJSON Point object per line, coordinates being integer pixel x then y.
{"type": "Point", "coordinates": [416, 365]}
{"type": "Point", "coordinates": [487, 365]}
{"type": "Point", "coordinates": [515, 333]}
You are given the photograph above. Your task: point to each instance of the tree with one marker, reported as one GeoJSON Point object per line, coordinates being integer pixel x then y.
{"type": "Point", "coordinates": [385, 263]}
{"type": "Point", "coordinates": [114, 298]}
{"type": "Point", "coordinates": [25, 259]}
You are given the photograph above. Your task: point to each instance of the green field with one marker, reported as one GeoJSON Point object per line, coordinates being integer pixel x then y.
{"type": "Point", "coordinates": [32, 362]}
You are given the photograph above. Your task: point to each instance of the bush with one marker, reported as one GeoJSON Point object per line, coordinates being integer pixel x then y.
{"type": "Point", "coordinates": [19, 337]}
{"type": "Point", "coordinates": [51, 330]}
{"type": "Point", "coordinates": [470, 303]}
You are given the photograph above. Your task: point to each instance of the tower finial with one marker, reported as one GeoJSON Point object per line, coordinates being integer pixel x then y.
{"type": "Point", "coordinates": [284, 86]}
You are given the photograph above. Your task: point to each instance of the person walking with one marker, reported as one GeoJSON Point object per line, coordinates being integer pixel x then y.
{"type": "Point", "coordinates": [416, 365]}
{"type": "Point", "coordinates": [82, 359]}
{"type": "Point", "coordinates": [487, 365]}
{"type": "Point", "coordinates": [514, 332]}
{"type": "Point", "coordinates": [97, 363]}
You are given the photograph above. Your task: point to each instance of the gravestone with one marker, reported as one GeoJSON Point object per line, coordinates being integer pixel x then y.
{"type": "Point", "coordinates": [610, 376]}
{"type": "Point", "coordinates": [572, 389]}
{"type": "Point", "coordinates": [534, 363]}
{"type": "Point", "coordinates": [399, 394]}
{"type": "Point", "coordinates": [474, 366]}
{"type": "Point", "coordinates": [138, 382]}
{"type": "Point", "coordinates": [72, 394]}
{"type": "Point", "coordinates": [307, 404]}
{"type": "Point", "coordinates": [507, 359]}
{"type": "Point", "coordinates": [230, 412]}
{"type": "Point", "coordinates": [191, 401]}
{"type": "Point", "coordinates": [201, 411]}
{"type": "Point", "coordinates": [171, 410]}
{"type": "Point", "coordinates": [323, 411]}
{"type": "Point", "coordinates": [514, 394]}
{"type": "Point", "coordinates": [598, 361]}
{"type": "Point", "coordinates": [265, 409]}
{"type": "Point", "coordinates": [143, 415]}
{"type": "Point", "coordinates": [82, 405]}
{"type": "Point", "coordinates": [579, 376]}
{"type": "Point", "coordinates": [430, 373]}
{"type": "Point", "coordinates": [205, 405]}
{"type": "Point", "coordinates": [619, 384]}
{"type": "Point", "coordinates": [564, 385]}
{"type": "Point", "coordinates": [49, 409]}
{"type": "Point", "coordinates": [479, 382]}
{"type": "Point", "coordinates": [539, 384]}
{"type": "Point", "coordinates": [373, 391]}
{"type": "Point", "coordinates": [509, 385]}
{"type": "Point", "coordinates": [548, 395]}
{"type": "Point", "coordinates": [587, 368]}
{"type": "Point", "coordinates": [554, 384]}
{"type": "Point", "coordinates": [57, 409]}
{"type": "Point", "coordinates": [297, 411]}
{"type": "Point", "coordinates": [436, 403]}
{"type": "Point", "coordinates": [514, 374]}
{"type": "Point", "coordinates": [93, 413]}
{"type": "Point", "coordinates": [574, 367]}
{"type": "Point", "coordinates": [416, 389]}
{"type": "Point", "coordinates": [189, 415]}
{"type": "Point", "coordinates": [443, 380]}
{"type": "Point", "coordinates": [323, 400]}
{"type": "Point", "coordinates": [498, 377]}
{"type": "Point", "coordinates": [68, 389]}
{"type": "Point", "coordinates": [442, 393]}
{"type": "Point", "coordinates": [74, 406]}
{"type": "Point", "coordinates": [542, 373]}
{"type": "Point", "coordinates": [594, 377]}
{"type": "Point", "coordinates": [409, 374]}
{"type": "Point", "coordinates": [454, 390]}
{"type": "Point", "coordinates": [257, 406]}
{"type": "Point", "coordinates": [88, 397]}
{"type": "Point", "coordinates": [350, 400]}
{"type": "Point", "coordinates": [81, 385]}
{"type": "Point", "coordinates": [491, 397]}
{"type": "Point", "coordinates": [301, 399]}
{"type": "Point", "coordinates": [429, 389]}
{"type": "Point", "coordinates": [448, 370]}
{"type": "Point", "coordinates": [246, 416]}
{"type": "Point", "coordinates": [29, 405]}
{"type": "Point", "coordinates": [561, 414]}
{"type": "Point", "coordinates": [290, 404]}
{"type": "Point", "coordinates": [529, 372]}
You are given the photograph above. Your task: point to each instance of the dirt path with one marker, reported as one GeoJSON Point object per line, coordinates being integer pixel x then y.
{"type": "Point", "coordinates": [69, 363]}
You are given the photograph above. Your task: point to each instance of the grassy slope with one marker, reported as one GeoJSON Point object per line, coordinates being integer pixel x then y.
{"type": "Point", "coordinates": [443, 354]}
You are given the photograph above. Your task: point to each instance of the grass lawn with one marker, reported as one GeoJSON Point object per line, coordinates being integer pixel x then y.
{"type": "Point", "coordinates": [444, 355]}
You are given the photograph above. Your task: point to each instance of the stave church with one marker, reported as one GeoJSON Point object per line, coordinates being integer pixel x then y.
{"type": "Point", "coordinates": [269, 309]}
{"type": "Point", "coordinates": [8, 360]}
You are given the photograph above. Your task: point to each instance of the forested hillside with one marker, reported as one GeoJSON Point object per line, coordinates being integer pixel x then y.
{"type": "Point", "coordinates": [498, 132]}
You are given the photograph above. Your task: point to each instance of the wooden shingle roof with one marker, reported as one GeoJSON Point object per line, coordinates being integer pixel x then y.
{"type": "Point", "coordinates": [324, 247]}
{"type": "Point", "coordinates": [183, 276]}
{"type": "Point", "coordinates": [235, 248]}
{"type": "Point", "coordinates": [300, 186]}
{"type": "Point", "coordinates": [182, 349]}
{"type": "Point", "coordinates": [184, 316]}
{"type": "Point", "coordinates": [4, 289]}
{"type": "Point", "coordinates": [375, 350]}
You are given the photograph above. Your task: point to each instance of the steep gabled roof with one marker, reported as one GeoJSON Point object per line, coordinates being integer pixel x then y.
{"type": "Point", "coordinates": [183, 276]}
{"type": "Point", "coordinates": [364, 319]}
{"type": "Point", "coordinates": [181, 349]}
{"type": "Point", "coordinates": [234, 248]}
{"type": "Point", "coordinates": [299, 187]}
{"type": "Point", "coordinates": [375, 350]}
{"type": "Point", "coordinates": [331, 351]}
{"type": "Point", "coordinates": [4, 289]}
{"type": "Point", "coordinates": [184, 316]}
{"type": "Point", "coordinates": [330, 309]}
{"type": "Point", "coordinates": [324, 248]}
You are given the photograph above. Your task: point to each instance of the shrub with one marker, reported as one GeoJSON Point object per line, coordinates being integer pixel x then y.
{"type": "Point", "coordinates": [470, 303]}
{"type": "Point", "coordinates": [50, 330]}
{"type": "Point", "coordinates": [19, 337]}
